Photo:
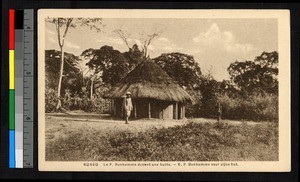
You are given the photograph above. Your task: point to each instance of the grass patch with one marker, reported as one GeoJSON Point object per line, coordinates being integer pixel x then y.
{"type": "Point", "coordinates": [189, 142]}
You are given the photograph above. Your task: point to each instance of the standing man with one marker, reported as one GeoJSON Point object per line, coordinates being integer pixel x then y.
{"type": "Point", "coordinates": [127, 106]}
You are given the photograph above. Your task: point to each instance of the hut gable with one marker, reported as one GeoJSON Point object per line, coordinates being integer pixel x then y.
{"type": "Point", "coordinates": [148, 80]}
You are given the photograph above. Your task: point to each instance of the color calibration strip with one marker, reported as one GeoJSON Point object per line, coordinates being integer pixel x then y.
{"type": "Point", "coordinates": [11, 45]}
{"type": "Point", "coordinates": [21, 88]}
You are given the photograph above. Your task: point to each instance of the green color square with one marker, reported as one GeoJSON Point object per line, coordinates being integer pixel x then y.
{"type": "Point", "coordinates": [11, 109]}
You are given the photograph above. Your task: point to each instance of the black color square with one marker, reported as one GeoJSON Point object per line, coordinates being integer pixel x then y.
{"type": "Point", "coordinates": [19, 19]}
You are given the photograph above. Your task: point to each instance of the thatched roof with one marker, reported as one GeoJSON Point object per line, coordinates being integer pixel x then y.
{"type": "Point", "coordinates": [148, 80]}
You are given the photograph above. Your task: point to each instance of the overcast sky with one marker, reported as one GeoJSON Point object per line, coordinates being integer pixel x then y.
{"type": "Point", "coordinates": [214, 43]}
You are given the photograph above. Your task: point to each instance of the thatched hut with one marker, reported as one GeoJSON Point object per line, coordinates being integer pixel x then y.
{"type": "Point", "coordinates": [154, 93]}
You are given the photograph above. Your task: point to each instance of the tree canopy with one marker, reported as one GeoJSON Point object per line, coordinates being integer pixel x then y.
{"type": "Point", "coordinates": [134, 56]}
{"type": "Point", "coordinates": [259, 75]}
{"type": "Point", "coordinates": [109, 62]}
{"type": "Point", "coordinates": [182, 67]}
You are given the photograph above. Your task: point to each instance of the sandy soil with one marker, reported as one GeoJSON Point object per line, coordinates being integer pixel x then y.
{"type": "Point", "coordinates": [60, 126]}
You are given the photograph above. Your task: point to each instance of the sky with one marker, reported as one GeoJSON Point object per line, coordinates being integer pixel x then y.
{"type": "Point", "coordinates": [214, 43]}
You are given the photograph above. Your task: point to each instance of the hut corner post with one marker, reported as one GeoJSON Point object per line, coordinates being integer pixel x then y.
{"type": "Point", "coordinates": [134, 108]}
{"type": "Point", "coordinates": [111, 109]}
{"type": "Point", "coordinates": [114, 107]}
{"type": "Point", "coordinates": [183, 111]}
{"type": "Point", "coordinates": [180, 112]}
{"type": "Point", "coordinates": [149, 110]}
{"type": "Point", "coordinates": [176, 110]}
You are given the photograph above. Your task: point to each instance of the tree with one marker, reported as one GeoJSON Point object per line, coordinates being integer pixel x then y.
{"type": "Point", "coordinates": [145, 40]}
{"type": "Point", "coordinates": [259, 75]}
{"type": "Point", "coordinates": [124, 36]}
{"type": "Point", "coordinates": [227, 87]}
{"type": "Point", "coordinates": [210, 91]}
{"type": "Point", "coordinates": [72, 77]}
{"type": "Point", "coordinates": [182, 67]}
{"type": "Point", "coordinates": [62, 26]}
{"type": "Point", "coordinates": [134, 56]}
{"type": "Point", "coordinates": [110, 63]}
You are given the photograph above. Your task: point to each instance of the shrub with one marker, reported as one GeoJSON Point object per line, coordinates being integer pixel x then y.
{"type": "Point", "coordinates": [50, 100]}
{"type": "Point", "coordinates": [77, 101]}
{"type": "Point", "coordinates": [100, 105]}
{"type": "Point", "coordinates": [255, 107]}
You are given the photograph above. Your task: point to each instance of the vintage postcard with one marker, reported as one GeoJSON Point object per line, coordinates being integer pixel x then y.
{"type": "Point", "coordinates": [164, 90]}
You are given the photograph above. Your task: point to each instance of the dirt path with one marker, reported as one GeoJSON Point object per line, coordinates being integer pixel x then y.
{"type": "Point", "coordinates": [61, 125]}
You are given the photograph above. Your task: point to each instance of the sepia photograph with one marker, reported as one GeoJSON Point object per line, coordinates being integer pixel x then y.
{"type": "Point", "coordinates": [164, 90]}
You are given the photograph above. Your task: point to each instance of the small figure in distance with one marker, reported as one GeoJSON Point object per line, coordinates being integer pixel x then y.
{"type": "Point", "coordinates": [58, 106]}
{"type": "Point", "coordinates": [127, 106]}
{"type": "Point", "coordinates": [219, 112]}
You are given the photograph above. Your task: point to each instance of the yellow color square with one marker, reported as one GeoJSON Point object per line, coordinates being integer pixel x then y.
{"type": "Point", "coordinates": [11, 69]}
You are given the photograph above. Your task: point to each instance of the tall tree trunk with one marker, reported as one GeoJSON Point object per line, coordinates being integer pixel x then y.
{"type": "Point", "coordinates": [60, 74]}
{"type": "Point", "coordinates": [145, 52]}
{"type": "Point", "coordinates": [92, 85]}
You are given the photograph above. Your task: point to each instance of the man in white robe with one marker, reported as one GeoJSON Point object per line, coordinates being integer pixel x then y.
{"type": "Point", "coordinates": [127, 106]}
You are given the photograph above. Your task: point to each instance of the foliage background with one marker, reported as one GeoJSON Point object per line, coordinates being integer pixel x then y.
{"type": "Point", "coordinates": [250, 94]}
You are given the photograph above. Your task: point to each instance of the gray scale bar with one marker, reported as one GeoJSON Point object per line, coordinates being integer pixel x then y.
{"type": "Point", "coordinates": [19, 58]}
{"type": "Point", "coordinates": [28, 102]}
{"type": "Point", "coordinates": [28, 117]}
{"type": "Point", "coordinates": [28, 145]}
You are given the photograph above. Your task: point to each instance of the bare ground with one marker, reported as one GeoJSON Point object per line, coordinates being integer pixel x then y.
{"type": "Point", "coordinates": [60, 125]}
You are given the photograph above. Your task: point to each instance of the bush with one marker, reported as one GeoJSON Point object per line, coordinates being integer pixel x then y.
{"type": "Point", "coordinates": [50, 100]}
{"type": "Point", "coordinates": [76, 102]}
{"type": "Point", "coordinates": [256, 107]}
{"type": "Point", "coordinates": [100, 105]}
{"type": "Point", "coordinates": [192, 109]}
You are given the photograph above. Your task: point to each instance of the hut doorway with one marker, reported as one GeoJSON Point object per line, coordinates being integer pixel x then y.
{"type": "Point", "coordinates": [181, 110]}
{"type": "Point", "coordinates": [178, 110]}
